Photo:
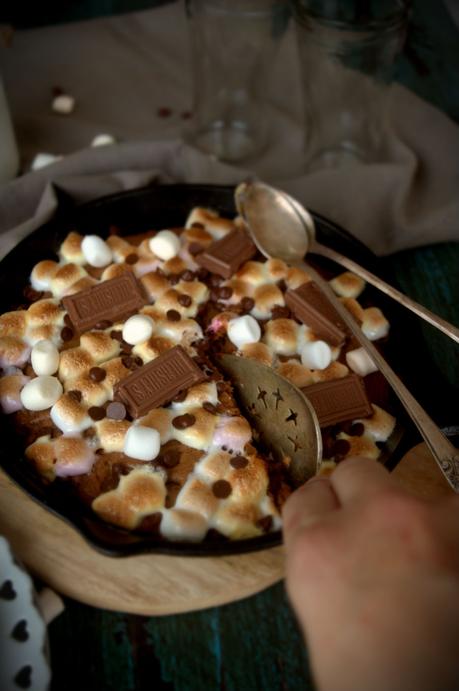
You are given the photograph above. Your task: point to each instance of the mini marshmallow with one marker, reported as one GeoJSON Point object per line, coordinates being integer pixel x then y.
{"type": "Point", "coordinates": [42, 160]}
{"type": "Point", "coordinates": [142, 443]}
{"type": "Point", "coordinates": [360, 362]}
{"type": "Point", "coordinates": [243, 330]}
{"type": "Point", "coordinates": [45, 357]}
{"type": "Point", "coordinates": [64, 104]}
{"type": "Point", "coordinates": [103, 140]}
{"type": "Point", "coordinates": [41, 393]}
{"type": "Point", "coordinates": [316, 355]}
{"type": "Point", "coordinates": [165, 245]}
{"type": "Point", "coordinates": [138, 329]}
{"type": "Point", "coordinates": [96, 251]}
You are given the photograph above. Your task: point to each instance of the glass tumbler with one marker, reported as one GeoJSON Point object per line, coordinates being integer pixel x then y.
{"type": "Point", "coordinates": [233, 47]}
{"type": "Point", "coordinates": [347, 51]}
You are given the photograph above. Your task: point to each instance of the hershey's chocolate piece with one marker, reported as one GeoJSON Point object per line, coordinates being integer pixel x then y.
{"type": "Point", "coordinates": [339, 400]}
{"type": "Point", "coordinates": [158, 381]}
{"type": "Point", "coordinates": [311, 306]}
{"type": "Point", "coordinates": [108, 301]}
{"type": "Point", "coordinates": [225, 256]}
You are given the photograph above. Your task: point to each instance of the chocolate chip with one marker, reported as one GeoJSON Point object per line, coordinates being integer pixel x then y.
{"type": "Point", "coordinates": [126, 347]}
{"type": "Point", "coordinates": [128, 361]}
{"type": "Point", "coordinates": [247, 304]}
{"type": "Point", "coordinates": [174, 279]}
{"type": "Point", "coordinates": [138, 361]}
{"type": "Point", "coordinates": [97, 374]}
{"type": "Point", "coordinates": [221, 489]}
{"type": "Point", "coordinates": [215, 280]}
{"type": "Point", "coordinates": [116, 335]}
{"type": "Point", "coordinates": [279, 312]}
{"type": "Point", "coordinates": [207, 405]}
{"type": "Point", "coordinates": [196, 224]}
{"type": "Point", "coordinates": [32, 295]}
{"type": "Point", "coordinates": [104, 324]}
{"type": "Point", "coordinates": [187, 275]}
{"type": "Point", "coordinates": [173, 315]}
{"type": "Point", "coordinates": [184, 300]}
{"type": "Point", "coordinates": [75, 395]}
{"type": "Point", "coordinates": [67, 320]}
{"type": "Point", "coordinates": [183, 421]}
{"type": "Point", "coordinates": [357, 429]}
{"type": "Point", "coordinates": [164, 112]}
{"type": "Point", "coordinates": [239, 462]}
{"type": "Point", "coordinates": [132, 258]}
{"type": "Point", "coordinates": [341, 447]}
{"type": "Point", "coordinates": [116, 410]}
{"type": "Point", "coordinates": [67, 333]}
{"type": "Point", "coordinates": [195, 248]}
{"type": "Point", "coordinates": [265, 523]}
{"type": "Point", "coordinates": [95, 412]}
{"type": "Point", "coordinates": [202, 274]}
{"type": "Point", "coordinates": [170, 458]}
{"type": "Point", "coordinates": [225, 293]}
{"type": "Point", "coordinates": [152, 522]}
{"type": "Point", "coordinates": [180, 396]}
{"type": "Point", "coordinates": [282, 285]}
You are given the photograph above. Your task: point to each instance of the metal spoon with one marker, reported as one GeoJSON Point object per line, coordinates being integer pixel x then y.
{"type": "Point", "coordinates": [271, 209]}
{"type": "Point", "coordinates": [267, 225]}
{"type": "Point", "coordinates": [283, 417]}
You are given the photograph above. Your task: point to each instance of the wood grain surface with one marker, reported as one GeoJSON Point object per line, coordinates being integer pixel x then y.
{"type": "Point", "coordinates": [158, 584]}
{"type": "Point", "coordinates": [145, 584]}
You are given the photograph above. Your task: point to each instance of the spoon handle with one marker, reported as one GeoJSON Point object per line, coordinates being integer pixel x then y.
{"type": "Point", "coordinates": [446, 455]}
{"type": "Point", "coordinates": [423, 312]}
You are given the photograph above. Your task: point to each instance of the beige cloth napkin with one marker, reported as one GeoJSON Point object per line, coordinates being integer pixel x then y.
{"type": "Point", "coordinates": [122, 70]}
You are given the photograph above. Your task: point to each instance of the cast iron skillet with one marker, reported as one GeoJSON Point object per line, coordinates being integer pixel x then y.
{"type": "Point", "coordinates": [155, 207]}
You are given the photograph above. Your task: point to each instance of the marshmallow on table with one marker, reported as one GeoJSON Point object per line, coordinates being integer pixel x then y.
{"type": "Point", "coordinates": [96, 251]}
{"type": "Point", "coordinates": [165, 245]}
{"type": "Point", "coordinates": [243, 330]}
{"type": "Point", "coordinates": [103, 140]}
{"type": "Point", "coordinates": [142, 443]}
{"type": "Point", "coordinates": [63, 104]}
{"type": "Point", "coordinates": [138, 329]}
{"type": "Point", "coordinates": [360, 362]}
{"type": "Point", "coordinates": [41, 393]}
{"type": "Point", "coordinates": [316, 355]}
{"type": "Point", "coordinates": [45, 357]}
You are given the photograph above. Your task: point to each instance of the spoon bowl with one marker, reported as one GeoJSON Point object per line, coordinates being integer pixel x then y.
{"type": "Point", "coordinates": [281, 227]}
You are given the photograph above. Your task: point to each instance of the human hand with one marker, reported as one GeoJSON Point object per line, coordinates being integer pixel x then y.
{"type": "Point", "coordinates": [373, 576]}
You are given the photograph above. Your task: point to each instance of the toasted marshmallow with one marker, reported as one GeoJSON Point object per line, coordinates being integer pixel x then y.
{"type": "Point", "coordinates": [142, 443]}
{"type": "Point", "coordinates": [335, 370]}
{"type": "Point", "coordinates": [74, 456]}
{"type": "Point", "coordinates": [374, 324]}
{"type": "Point", "coordinates": [65, 277]}
{"type": "Point", "coordinates": [42, 273]}
{"type": "Point", "coordinates": [295, 372]}
{"type": "Point", "coordinates": [41, 393]}
{"type": "Point", "coordinates": [258, 351]}
{"type": "Point", "coordinates": [165, 244]}
{"type": "Point", "coordinates": [281, 336]}
{"type": "Point", "coordinates": [232, 433]}
{"type": "Point", "coordinates": [348, 285]}
{"type": "Point", "coordinates": [316, 355]}
{"type": "Point", "coordinates": [138, 494]}
{"type": "Point", "coordinates": [96, 251]}
{"type": "Point", "coordinates": [45, 357]}
{"type": "Point", "coordinates": [69, 415]}
{"type": "Point", "coordinates": [13, 352]}
{"type": "Point", "coordinates": [360, 362]}
{"type": "Point", "coordinates": [42, 454]}
{"type": "Point", "coordinates": [380, 425]}
{"type": "Point", "coordinates": [197, 496]}
{"type": "Point", "coordinates": [138, 329]}
{"type": "Point", "coordinates": [178, 524]}
{"type": "Point", "coordinates": [243, 330]}
{"type": "Point", "coordinates": [10, 392]}
{"type": "Point", "coordinates": [70, 250]}
{"type": "Point", "coordinates": [112, 434]}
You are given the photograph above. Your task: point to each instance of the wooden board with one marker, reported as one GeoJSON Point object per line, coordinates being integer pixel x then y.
{"type": "Point", "coordinates": [156, 584]}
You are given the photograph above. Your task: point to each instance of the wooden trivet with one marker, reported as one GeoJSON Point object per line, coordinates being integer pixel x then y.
{"type": "Point", "coordinates": [157, 584]}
